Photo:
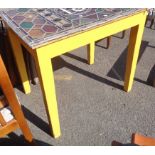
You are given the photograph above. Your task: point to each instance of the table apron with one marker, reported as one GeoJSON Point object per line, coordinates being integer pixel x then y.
{"type": "Point", "coordinates": [65, 45]}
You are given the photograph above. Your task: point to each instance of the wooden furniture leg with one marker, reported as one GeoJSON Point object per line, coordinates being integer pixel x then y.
{"type": "Point", "coordinates": [132, 56]}
{"type": "Point", "coordinates": [46, 78]}
{"type": "Point", "coordinates": [18, 54]}
{"type": "Point", "coordinates": [108, 42]}
{"type": "Point", "coordinates": [123, 34]}
{"type": "Point", "coordinates": [143, 140]}
{"type": "Point", "coordinates": [19, 121]}
{"type": "Point", "coordinates": [91, 53]}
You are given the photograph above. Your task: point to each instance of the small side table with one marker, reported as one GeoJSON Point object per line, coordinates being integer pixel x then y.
{"type": "Point", "coordinates": [46, 50]}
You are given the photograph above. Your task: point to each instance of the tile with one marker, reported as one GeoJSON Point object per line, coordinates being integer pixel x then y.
{"type": "Point", "coordinates": [26, 25]}
{"type": "Point", "coordinates": [38, 26]}
{"type": "Point", "coordinates": [22, 10]}
{"type": "Point", "coordinates": [49, 28]}
{"type": "Point", "coordinates": [36, 33]}
{"type": "Point", "coordinates": [39, 21]}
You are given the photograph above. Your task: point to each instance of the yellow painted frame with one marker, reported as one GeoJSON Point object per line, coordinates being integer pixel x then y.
{"type": "Point", "coordinates": [44, 54]}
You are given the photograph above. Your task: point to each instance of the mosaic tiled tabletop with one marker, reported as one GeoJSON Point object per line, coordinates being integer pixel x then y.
{"type": "Point", "coordinates": [40, 26]}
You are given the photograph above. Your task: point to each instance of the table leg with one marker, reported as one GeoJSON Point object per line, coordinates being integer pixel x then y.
{"type": "Point", "coordinates": [91, 52]}
{"type": "Point", "coordinates": [18, 54]}
{"type": "Point", "coordinates": [46, 77]}
{"type": "Point", "coordinates": [123, 34]}
{"type": "Point", "coordinates": [108, 42]}
{"type": "Point", "coordinates": [136, 34]}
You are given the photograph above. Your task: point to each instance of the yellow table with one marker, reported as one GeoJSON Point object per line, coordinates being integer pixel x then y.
{"type": "Point", "coordinates": [45, 53]}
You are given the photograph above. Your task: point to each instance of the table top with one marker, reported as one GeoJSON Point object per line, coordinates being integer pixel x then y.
{"type": "Point", "coordinates": [37, 27]}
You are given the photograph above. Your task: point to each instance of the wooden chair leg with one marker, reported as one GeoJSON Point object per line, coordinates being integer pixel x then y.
{"type": "Point", "coordinates": [2, 121]}
{"type": "Point", "coordinates": [3, 102]}
{"type": "Point", "coordinates": [142, 140]}
{"type": "Point", "coordinates": [9, 127]}
{"type": "Point", "coordinates": [10, 95]}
